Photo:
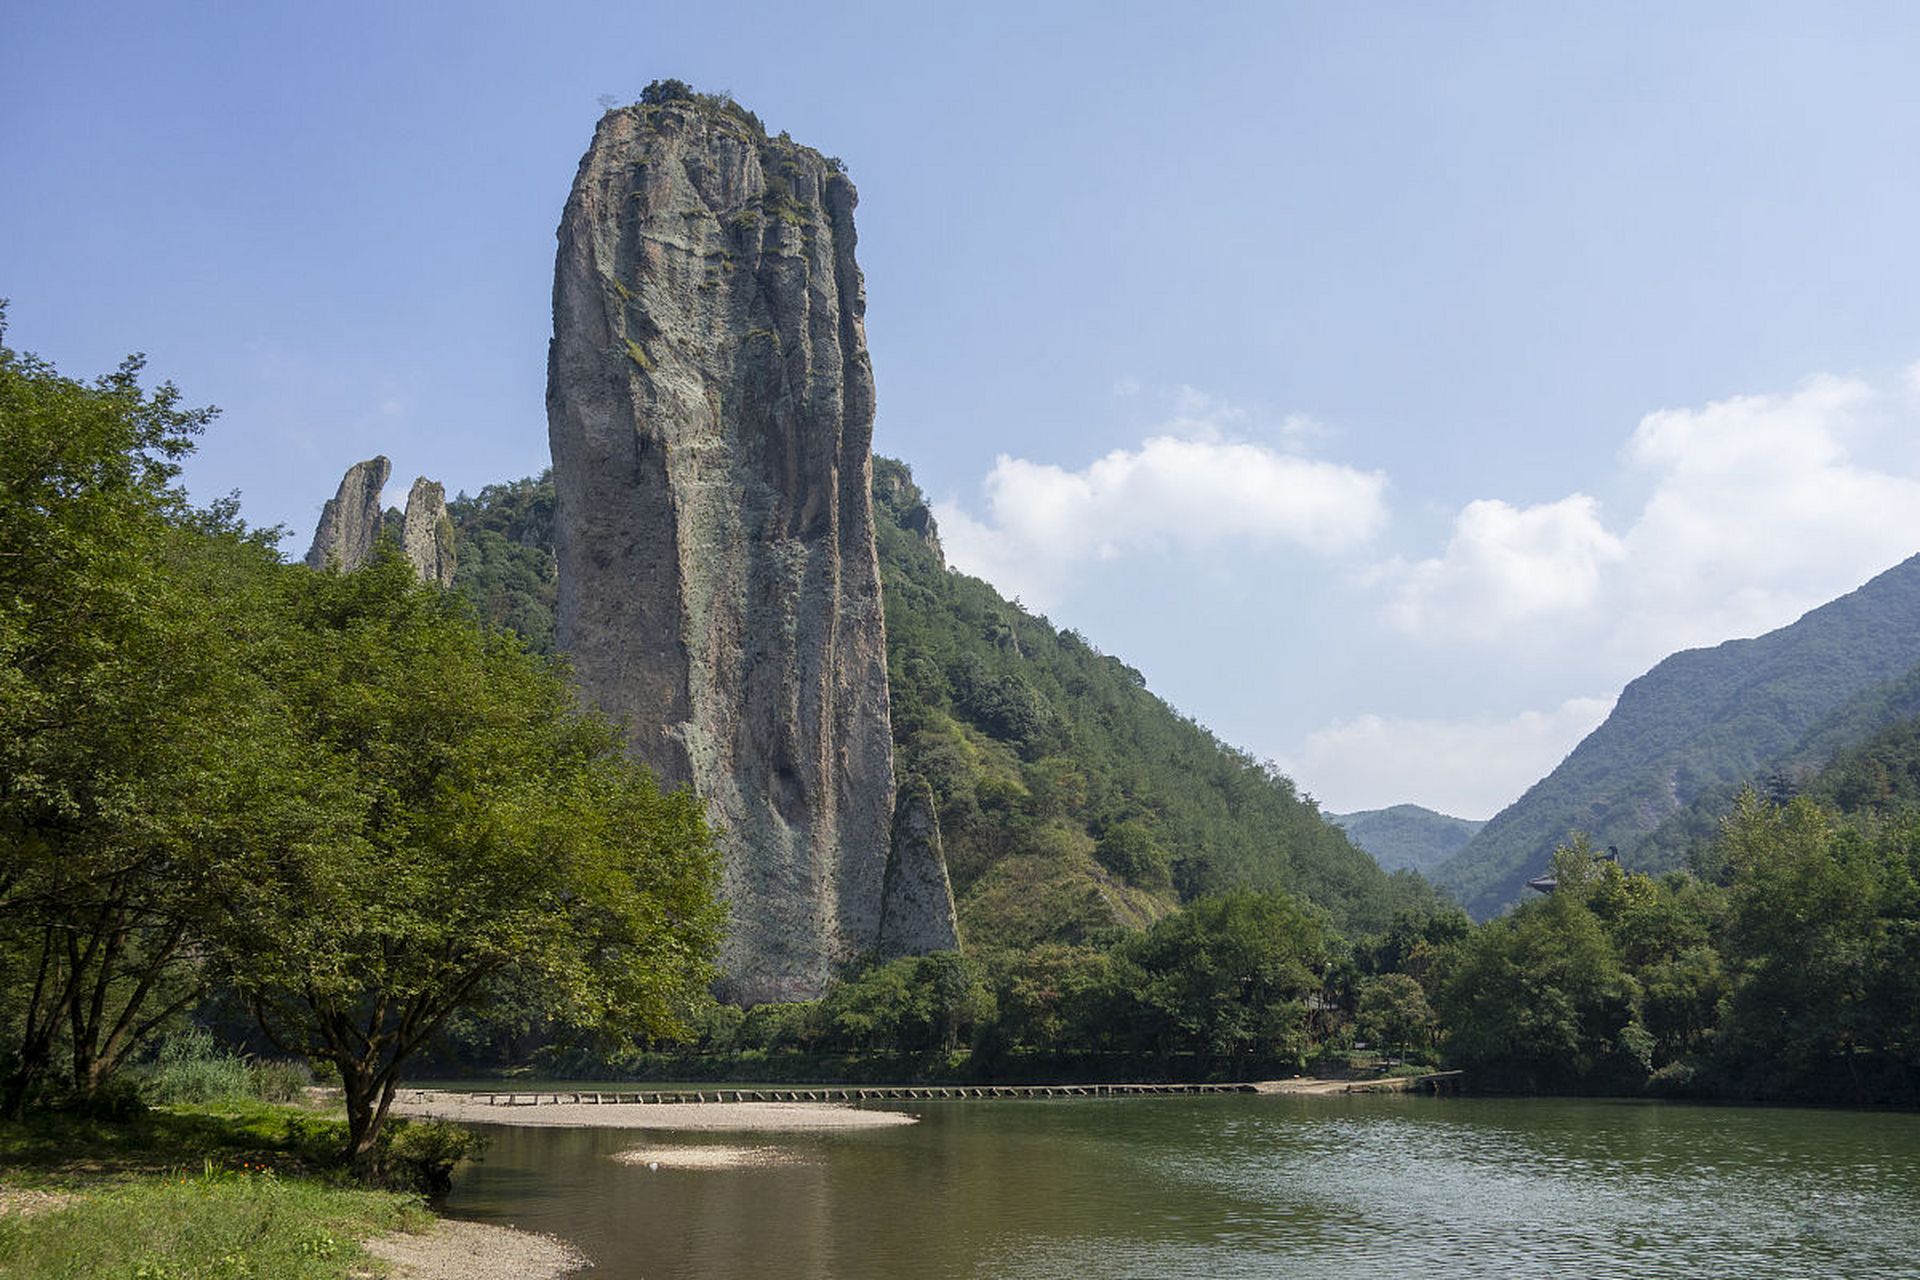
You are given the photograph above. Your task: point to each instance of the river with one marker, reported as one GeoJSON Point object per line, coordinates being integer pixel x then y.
{"type": "Point", "coordinates": [1229, 1187]}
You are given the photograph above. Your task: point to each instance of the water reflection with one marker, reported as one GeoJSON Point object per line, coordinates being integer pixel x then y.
{"type": "Point", "coordinates": [1240, 1187]}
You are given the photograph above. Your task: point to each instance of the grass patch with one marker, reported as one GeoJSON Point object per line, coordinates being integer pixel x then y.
{"type": "Point", "coordinates": [211, 1226]}
{"type": "Point", "coordinates": [224, 1191]}
{"type": "Point", "coordinates": [58, 1149]}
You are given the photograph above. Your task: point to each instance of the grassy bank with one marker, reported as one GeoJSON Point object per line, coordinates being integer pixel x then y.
{"type": "Point", "coordinates": [233, 1192]}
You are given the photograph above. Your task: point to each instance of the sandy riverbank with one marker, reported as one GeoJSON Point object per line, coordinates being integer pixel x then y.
{"type": "Point", "coordinates": [1303, 1086]}
{"type": "Point", "coordinates": [452, 1250]}
{"type": "Point", "coordinates": [781, 1117]}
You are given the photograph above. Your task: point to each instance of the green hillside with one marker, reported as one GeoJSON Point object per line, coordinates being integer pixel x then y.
{"type": "Point", "coordinates": [1407, 836]}
{"type": "Point", "coordinates": [1062, 780]}
{"type": "Point", "coordinates": [1689, 834]}
{"type": "Point", "coordinates": [1702, 721]}
{"type": "Point", "coordinates": [1073, 802]}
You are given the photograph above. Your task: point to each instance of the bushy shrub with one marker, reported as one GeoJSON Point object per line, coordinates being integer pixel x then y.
{"type": "Point", "coordinates": [419, 1155]}
{"type": "Point", "coordinates": [663, 91]}
{"type": "Point", "coordinates": [280, 1080]}
{"type": "Point", "coordinates": [192, 1068]}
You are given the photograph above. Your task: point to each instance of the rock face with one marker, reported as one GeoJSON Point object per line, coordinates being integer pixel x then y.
{"type": "Point", "coordinates": [350, 522]}
{"type": "Point", "coordinates": [916, 913]}
{"type": "Point", "coordinates": [710, 408]}
{"type": "Point", "coordinates": [426, 532]}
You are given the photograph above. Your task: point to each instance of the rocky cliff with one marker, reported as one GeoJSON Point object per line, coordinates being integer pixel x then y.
{"type": "Point", "coordinates": [350, 522]}
{"type": "Point", "coordinates": [710, 409]}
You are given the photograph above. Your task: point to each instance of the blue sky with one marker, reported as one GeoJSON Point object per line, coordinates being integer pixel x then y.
{"type": "Point", "coordinates": [1389, 383]}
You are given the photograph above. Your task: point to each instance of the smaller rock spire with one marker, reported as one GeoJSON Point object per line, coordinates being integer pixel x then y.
{"type": "Point", "coordinates": [916, 910]}
{"type": "Point", "coordinates": [426, 533]}
{"type": "Point", "coordinates": [350, 522]}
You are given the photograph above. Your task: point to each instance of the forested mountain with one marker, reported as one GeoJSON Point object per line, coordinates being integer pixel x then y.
{"type": "Point", "coordinates": [1702, 722]}
{"type": "Point", "coordinates": [1844, 734]}
{"type": "Point", "coordinates": [1407, 836]}
{"type": "Point", "coordinates": [1071, 798]}
{"type": "Point", "coordinates": [1072, 801]}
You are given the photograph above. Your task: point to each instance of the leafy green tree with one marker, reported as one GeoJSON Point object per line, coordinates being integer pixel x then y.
{"type": "Point", "coordinates": [1053, 998]}
{"type": "Point", "coordinates": [1229, 977]}
{"type": "Point", "coordinates": [1128, 849]}
{"type": "Point", "coordinates": [495, 831]}
{"type": "Point", "coordinates": [1800, 940]}
{"type": "Point", "coordinates": [1538, 999]}
{"type": "Point", "coordinates": [1395, 1015]}
{"type": "Point", "coordinates": [138, 747]}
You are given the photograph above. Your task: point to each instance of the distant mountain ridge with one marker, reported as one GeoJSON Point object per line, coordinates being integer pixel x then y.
{"type": "Point", "coordinates": [1407, 836]}
{"type": "Point", "coordinates": [1704, 719]}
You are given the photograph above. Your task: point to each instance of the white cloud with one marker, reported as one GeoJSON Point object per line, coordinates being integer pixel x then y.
{"type": "Point", "coordinates": [1757, 512]}
{"type": "Point", "coordinates": [1507, 565]}
{"type": "Point", "coordinates": [1469, 768]}
{"type": "Point", "coordinates": [1189, 488]}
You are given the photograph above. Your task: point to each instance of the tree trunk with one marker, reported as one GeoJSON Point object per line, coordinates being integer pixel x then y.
{"type": "Point", "coordinates": [363, 1120]}
{"type": "Point", "coordinates": [42, 1022]}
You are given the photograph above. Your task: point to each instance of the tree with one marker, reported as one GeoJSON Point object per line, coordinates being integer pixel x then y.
{"type": "Point", "coordinates": [1538, 998]}
{"type": "Point", "coordinates": [1228, 977]}
{"type": "Point", "coordinates": [1800, 942]}
{"type": "Point", "coordinates": [133, 738]}
{"type": "Point", "coordinates": [495, 831]}
{"type": "Point", "coordinates": [1394, 1014]}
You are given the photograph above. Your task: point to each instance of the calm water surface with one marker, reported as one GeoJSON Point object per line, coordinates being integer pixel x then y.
{"type": "Point", "coordinates": [1243, 1186]}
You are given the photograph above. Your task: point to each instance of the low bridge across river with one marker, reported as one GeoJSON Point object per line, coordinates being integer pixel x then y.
{"type": "Point", "coordinates": [1431, 1083]}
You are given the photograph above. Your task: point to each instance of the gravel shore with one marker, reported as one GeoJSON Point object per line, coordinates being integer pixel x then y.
{"type": "Point", "coordinates": [453, 1250]}
{"type": "Point", "coordinates": [783, 1117]}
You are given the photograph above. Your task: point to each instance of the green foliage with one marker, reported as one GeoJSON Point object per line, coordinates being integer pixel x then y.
{"type": "Point", "coordinates": [1229, 977]}
{"type": "Point", "coordinates": [1798, 978]}
{"type": "Point", "coordinates": [659, 92]}
{"type": "Point", "coordinates": [997, 709]}
{"type": "Point", "coordinates": [420, 1155]}
{"type": "Point", "coordinates": [333, 794]}
{"type": "Point", "coordinates": [504, 563]}
{"type": "Point", "coordinates": [190, 1068]}
{"type": "Point", "coordinates": [1394, 1014]}
{"type": "Point", "coordinates": [138, 742]}
{"type": "Point", "coordinates": [488, 828]}
{"type": "Point", "coordinates": [1128, 849]}
{"type": "Point", "coordinates": [1879, 774]}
